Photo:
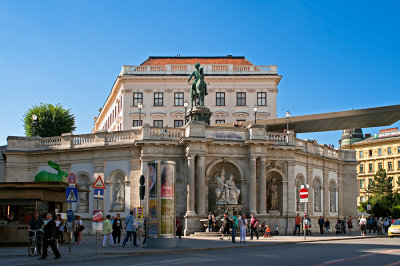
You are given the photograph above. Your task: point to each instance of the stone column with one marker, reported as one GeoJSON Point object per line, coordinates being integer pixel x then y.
{"type": "Point", "coordinates": [191, 189]}
{"type": "Point", "coordinates": [252, 184]}
{"type": "Point", "coordinates": [292, 195]}
{"type": "Point", "coordinates": [201, 185]}
{"type": "Point", "coordinates": [262, 188]}
{"type": "Point", "coordinates": [325, 194]}
{"type": "Point", "coordinates": [310, 204]}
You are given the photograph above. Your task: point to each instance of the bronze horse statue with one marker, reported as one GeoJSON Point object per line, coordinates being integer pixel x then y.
{"type": "Point", "coordinates": [199, 87]}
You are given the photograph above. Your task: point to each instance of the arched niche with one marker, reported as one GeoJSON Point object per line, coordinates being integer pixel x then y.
{"type": "Point", "coordinates": [317, 194]}
{"type": "Point", "coordinates": [117, 187]}
{"type": "Point", "coordinates": [274, 191]}
{"type": "Point", "coordinates": [300, 181]}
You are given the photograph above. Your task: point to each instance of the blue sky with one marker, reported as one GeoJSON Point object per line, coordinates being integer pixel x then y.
{"type": "Point", "coordinates": [333, 55]}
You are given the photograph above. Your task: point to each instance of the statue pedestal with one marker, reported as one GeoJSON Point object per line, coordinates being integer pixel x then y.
{"type": "Point", "coordinates": [221, 209]}
{"type": "Point", "coordinates": [199, 113]}
{"type": "Point", "coordinates": [273, 213]}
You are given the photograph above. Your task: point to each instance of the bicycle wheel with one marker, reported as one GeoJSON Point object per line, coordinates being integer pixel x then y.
{"type": "Point", "coordinates": [31, 247]}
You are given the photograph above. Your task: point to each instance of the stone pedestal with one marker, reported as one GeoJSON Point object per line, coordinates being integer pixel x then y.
{"type": "Point", "coordinates": [199, 113]}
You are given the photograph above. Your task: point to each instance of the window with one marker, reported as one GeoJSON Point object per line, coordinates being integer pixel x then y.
{"type": "Point", "coordinates": [219, 121]}
{"type": "Point", "coordinates": [137, 98]}
{"type": "Point", "coordinates": [379, 151]}
{"type": "Point", "coordinates": [370, 167]}
{"type": "Point", "coordinates": [178, 123]}
{"type": "Point", "coordinates": [398, 165]}
{"type": "Point", "coordinates": [389, 150]}
{"type": "Point", "coordinates": [158, 99]}
{"type": "Point", "coordinates": [398, 149]}
{"type": "Point", "coordinates": [390, 166]}
{"type": "Point", "coordinates": [362, 185]}
{"type": "Point", "coordinates": [240, 98]}
{"type": "Point", "coordinates": [361, 154]}
{"type": "Point", "coordinates": [361, 168]}
{"type": "Point", "coordinates": [380, 166]}
{"type": "Point", "coordinates": [178, 98]}
{"type": "Point", "coordinates": [137, 123]}
{"type": "Point", "coordinates": [370, 152]}
{"type": "Point", "coordinates": [158, 123]}
{"type": "Point", "coordinates": [261, 98]}
{"type": "Point", "coordinates": [220, 99]}
{"type": "Point", "coordinates": [370, 182]}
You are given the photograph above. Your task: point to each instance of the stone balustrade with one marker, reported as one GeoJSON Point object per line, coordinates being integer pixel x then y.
{"type": "Point", "coordinates": [102, 138]}
{"type": "Point", "coordinates": [208, 69]}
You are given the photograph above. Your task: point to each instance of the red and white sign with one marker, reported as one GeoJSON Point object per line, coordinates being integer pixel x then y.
{"type": "Point", "coordinates": [72, 178]}
{"type": "Point", "coordinates": [97, 216]}
{"type": "Point", "coordinates": [99, 183]}
{"type": "Point", "coordinates": [303, 193]}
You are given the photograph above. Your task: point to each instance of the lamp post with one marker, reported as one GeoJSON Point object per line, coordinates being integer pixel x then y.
{"type": "Point", "coordinates": [140, 106]}
{"type": "Point", "coordinates": [34, 123]}
{"type": "Point", "coordinates": [185, 104]}
{"type": "Point", "coordinates": [287, 121]}
{"type": "Point", "coordinates": [255, 109]}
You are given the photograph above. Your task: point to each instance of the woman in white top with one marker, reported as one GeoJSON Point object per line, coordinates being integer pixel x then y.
{"type": "Point", "coordinates": [243, 225]}
{"type": "Point", "coordinates": [363, 225]}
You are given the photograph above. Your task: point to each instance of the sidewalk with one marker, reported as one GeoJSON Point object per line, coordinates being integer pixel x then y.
{"type": "Point", "coordinates": [88, 246]}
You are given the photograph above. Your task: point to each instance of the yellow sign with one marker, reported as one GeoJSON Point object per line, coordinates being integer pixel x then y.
{"type": "Point", "coordinates": [140, 212]}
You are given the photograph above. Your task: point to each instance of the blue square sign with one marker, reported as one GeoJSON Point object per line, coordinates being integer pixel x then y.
{"type": "Point", "coordinates": [71, 194]}
{"type": "Point", "coordinates": [98, 193]}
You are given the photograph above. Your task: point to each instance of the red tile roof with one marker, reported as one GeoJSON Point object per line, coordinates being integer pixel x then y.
{"type": "Point", "coordinates": [203, 60]}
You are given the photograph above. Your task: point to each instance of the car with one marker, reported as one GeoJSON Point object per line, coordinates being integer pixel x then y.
{"type": "Point", "coordinates": [394, 229]}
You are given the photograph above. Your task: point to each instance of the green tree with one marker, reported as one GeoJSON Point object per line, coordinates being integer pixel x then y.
{"type": "Point", "coordinates": [52, 120]}
{"type": "Point", "coordinates": [382, 184]}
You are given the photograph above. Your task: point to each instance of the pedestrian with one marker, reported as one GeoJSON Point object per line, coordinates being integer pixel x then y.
{"type": "Point", "coordinates": [130, 229]}
{"type": "Point", "coordinates": [363, 225]}
{"type": "Point", "coordinates": [36, 223]}
{"type": "Point", "coordinates": [267, 231]}
{"type": "Point", "coordinates": [117, 229]}
{"type": "Point", "coordinates": [243, 226]}
{"type": "Point", "coordinates": [375, 225]}
{"type": "Point", "coordinates": [253, 226]}
{"type": "Point", "coordinates": [370, 224]}
{"type": "Point", "coordinates": [50, 236]}
{"type": "Point", "coordinates": [338, 227]}
{"type": "Point", "coordinates": [210, 222]}
{"type": "Point", "coordinates": [178, 228]}
{"type": "Point", "coordinates": [344, 221]}
{"type": "Point", "coordinates": [379, 225]}
{"type": "Point", "coordinates": [321, 224]}
{"type": "Point", "coordinates": [276, 231]}
{"type": "Point", "coordinates": [78, 229]}
{"type": "Point", "coordinates": [60, 226]}
{"type": "Point", "coordinates": [234, 225]}
{"type": "Point", "coordinates": [297, 222]}
{"type": "Point", "coordinates": [327, 225]}
{"type": "Point", "coordinates": [107, 231]}
{"type": "Point", "coordinates": [386, 224]}
{"type": "Point", "coordinates": [226, 225]}
{"type": "Point", "coordinates": [307, 225]}
{"type": "Point", "coordinates": [350, 224]}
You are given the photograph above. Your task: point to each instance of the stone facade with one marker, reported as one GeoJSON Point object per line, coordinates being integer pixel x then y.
{"type": "Point", "coordinates": [267, 168]}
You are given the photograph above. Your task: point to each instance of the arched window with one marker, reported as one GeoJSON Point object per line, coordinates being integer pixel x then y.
{"type": "Point", "coordinates": [317, 194]}
{"type": "Point", "coordinates": [332, 195]}
{"type": "Point", "coordinates": [298, 183]}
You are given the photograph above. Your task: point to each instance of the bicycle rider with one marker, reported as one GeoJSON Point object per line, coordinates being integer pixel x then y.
{"type": "Point", "coordinates": [36, 223]}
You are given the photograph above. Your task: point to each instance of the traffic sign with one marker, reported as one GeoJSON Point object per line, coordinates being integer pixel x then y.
{"type": "Point", "coordinates": [98, 193]}
{"type": "Point", "coordinates": [303, 193]}
{"type": "Point", "coordinates": [97, 216]}
{"type": "Point", "coordinates": [70, 218]}
{"type": "Point", "coordinates": [304, 200]}
{"type": "Point", "coordinates": [72, 178]}
{"type": "Point", "coordinates": [71, 194]}
{"type": "Point", "coordinates": [140, 212]}
{"type": "Point", "coordinates": [99, 183]}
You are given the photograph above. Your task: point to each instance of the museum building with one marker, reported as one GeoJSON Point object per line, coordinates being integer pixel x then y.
{"type": "Point", "coordinates": [218, 168]}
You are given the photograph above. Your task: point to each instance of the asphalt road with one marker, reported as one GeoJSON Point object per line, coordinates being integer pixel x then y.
{"type": "Point", "coordinates": [374, 251]}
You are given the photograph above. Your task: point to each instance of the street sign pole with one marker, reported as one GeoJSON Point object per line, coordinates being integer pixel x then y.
{"type": "Point", "coordinates": [69, 233]}
{"type": "Point", "coordinates": [304, 223]}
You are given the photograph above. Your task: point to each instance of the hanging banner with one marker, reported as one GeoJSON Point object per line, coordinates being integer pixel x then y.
{"type": "Point", "coordinates": [167, 200]}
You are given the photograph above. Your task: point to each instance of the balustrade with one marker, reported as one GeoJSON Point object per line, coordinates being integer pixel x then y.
{"type": "Point", "coordinates": [50, 142]}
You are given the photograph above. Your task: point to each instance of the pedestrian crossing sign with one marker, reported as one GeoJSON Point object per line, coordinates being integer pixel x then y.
{"type": "Point", "coordinates": [71, 194]}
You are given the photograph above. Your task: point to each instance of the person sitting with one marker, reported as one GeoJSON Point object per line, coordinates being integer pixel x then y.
{"type": "Point", "coordinates": [262, 228]}
{"type": "Point", "coordinates": [338, 227]}
{"type": "Point", "coordinates": [276, 231]}
{"type": "Point", "coordinates": [267, 232]}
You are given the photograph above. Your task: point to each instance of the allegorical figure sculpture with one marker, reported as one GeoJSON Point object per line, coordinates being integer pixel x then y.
{"type": "Point", "coordinates": [199, 87]}
{"type": "Point", "coordinates": [119, 196]}
{"type": "Point", "coordinates": [273, 195]}
{"type": "Point", "coordinates": [232, 191]}
{"type": "Point", "coordinates": [220, 191]}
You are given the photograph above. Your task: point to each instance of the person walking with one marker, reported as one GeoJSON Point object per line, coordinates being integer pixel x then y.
{"type": "Point", "coordinates": [210, 222]}
{"type": "Point", "coordinates": [321, 224]}
{"type": "Point", "coordinates": [107, 231]}
{"type": "Point", "coordinates": [349, 224]}
{"type": "Point", "coordinates": [386, 224]}
{"type": "Point", "coordinates": [117, 229]}
{"type": "Point", "coordinates": [344, 222]}
{"type": "Point", "coordinates": [36, 223]}
{"type": "Point", "coordinates": [297, 222]}
{"type": "Point", "coordinates": [243, 226]}
{"type": "Point", "coordinates": [234, 225]}
{"type": "Point", "coordinates": [50, 236]}
{"type": "Point", "coordinates": [253, 226]}
{"type": "Point", "coordinates": [370, 222]}
{"type": "Point", "coordinates": [327, 225]}
{"type": "Point", "coordinates": [379, 225]}
{"type": "Point", "coordinates": [363, 225]}
{"type": "Point", "coordinates": [226, 225]}
{"type": "Point", "coordinates": [130, 229]}
{"type": "Point", "coordinates": [178, 228]}
{"type": "Point", "coordinates": [307, 225]}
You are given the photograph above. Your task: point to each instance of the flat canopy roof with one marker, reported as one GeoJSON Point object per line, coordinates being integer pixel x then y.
{"type": "Point", "coordinates": [361, 118]}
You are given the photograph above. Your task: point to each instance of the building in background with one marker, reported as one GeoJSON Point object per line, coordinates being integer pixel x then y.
{"type": "Point", "coordinates": [160, 84]}
{"type": "Point", "coordinates": [379, 151]}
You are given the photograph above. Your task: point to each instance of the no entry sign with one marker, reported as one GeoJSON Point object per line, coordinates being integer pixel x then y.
{"type": "Point", "coordinates": [303, 193]}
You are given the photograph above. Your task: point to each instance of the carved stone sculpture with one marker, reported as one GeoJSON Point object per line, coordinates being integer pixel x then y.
{"type": "Point", "coordinates": [220, 191]}
{"type": "Point", "coordinates": [233, 191]}
{"type": "Point", "coordinates": [273, 195]}
{"type": "Point", "coordinates": [226, 191]}
{"type": "Point", "coordinates": [119, 196]}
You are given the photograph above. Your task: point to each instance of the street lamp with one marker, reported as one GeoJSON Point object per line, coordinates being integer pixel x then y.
{"type": "Point", "coordinates": [185, 104]}
{"type": "Point", "coordinates": [255, 109]}
{"type": "Point", "coordinates": [287, 121]}
{"type": "Point", "coordinates": [34, 123]}
{"type": "Point", "coordinates": [140, 106]}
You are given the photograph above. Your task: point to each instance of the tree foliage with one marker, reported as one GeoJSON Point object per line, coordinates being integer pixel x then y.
{"type": "Point", "coordinates": [382, 184]}
{"type": "Point", "coordinates": [53, 120]}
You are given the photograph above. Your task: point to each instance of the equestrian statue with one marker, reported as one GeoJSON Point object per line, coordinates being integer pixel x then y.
{"type": "Point", "coordinates": [199, 87]}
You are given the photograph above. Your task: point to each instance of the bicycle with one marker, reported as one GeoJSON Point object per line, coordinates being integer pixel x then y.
{"type": "Point", "coordinates": [34, 240]}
